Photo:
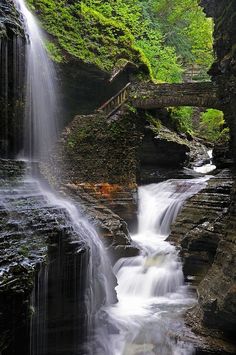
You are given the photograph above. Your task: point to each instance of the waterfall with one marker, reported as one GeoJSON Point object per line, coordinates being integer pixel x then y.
{"type": "Point", "coordinates": [41, 111]}
{"type": "Point", "coordinates": [151, 291]}
{"type": "Point", "coordinates": [40, 134]}
{"type": "Point", "coordinates": [206, 168]}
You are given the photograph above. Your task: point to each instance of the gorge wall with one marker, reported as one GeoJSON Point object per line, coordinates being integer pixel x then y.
{"type": "Point", "coordinates": [223, 71]}
{"type": "Point", "coordinates": [208, 248]}
{"type": "Point", "coordinates": [12, 68]}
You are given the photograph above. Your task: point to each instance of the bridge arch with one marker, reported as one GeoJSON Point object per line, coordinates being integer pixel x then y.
{"type": "Point", "coordinates": [152, 96]}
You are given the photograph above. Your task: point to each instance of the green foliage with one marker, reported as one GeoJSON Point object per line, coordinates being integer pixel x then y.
{"type": "Point", "coordinates": [182, 119]}
{"type": "Point", "coordinates": [163, 60]}
{"type": "Point", "coordinates": [53, 51]}
{"type": "Point", "coordinates": [85, 33]}
{"type": "Point", "coordinates": [212, 126]}
{"type": "Point", "coordinates": [155, 123]}
{"type": "Point", "coordinates": [166, 36]}
{"type": "Point", "coordinates": [185, 27]}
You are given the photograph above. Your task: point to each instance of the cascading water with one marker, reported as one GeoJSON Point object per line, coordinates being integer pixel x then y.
{"type": "Point", "coordinates": [206, 168]}
{"type": "Point", "coordinates": [151, 290]}
{"type": "Point", "coordinates": [40, 134]}
{"type": "Point", "coordinates": [41, 112]}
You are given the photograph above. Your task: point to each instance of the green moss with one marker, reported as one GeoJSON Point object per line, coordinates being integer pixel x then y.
{"type": "Point", "coordinates": [105, 33]}
{"type": "Point", "coordinates": [24, 251]}
{"type": "Point", "coordinates": [84, 33]}
{"type": "Point", "coordinates": [103, 150]}
{"type": "Point", "coordinates": [156, 124]}
{"type": "Point", "coordinates": [54, 52]}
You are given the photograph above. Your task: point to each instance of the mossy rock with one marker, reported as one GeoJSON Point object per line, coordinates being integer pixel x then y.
{"type": "Point", "coordinates": [81, 32]}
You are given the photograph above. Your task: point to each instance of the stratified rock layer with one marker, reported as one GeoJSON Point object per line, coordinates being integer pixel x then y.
{"type": "Point", "coordinates": [40, 258]}
{"type": "Point", "coordinates": [223, 71]}
{"type": "Point", "coordinates": [201, 225]}
{"type": "Point", "coordinates": [204, 231]}
{"type": "Point", "coordinates": [12, 66]}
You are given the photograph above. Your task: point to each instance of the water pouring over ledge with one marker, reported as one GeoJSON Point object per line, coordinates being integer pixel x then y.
{"type": "Point", "coordinates": [41, 110]}
{"type": "Point", "coordinates": [40, 134]}
{"type": "Point", "coordinates": [151, 290]}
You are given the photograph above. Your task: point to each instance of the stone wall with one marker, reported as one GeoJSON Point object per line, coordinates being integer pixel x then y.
{"type": "Point", "coordinates": [204, 233]}
{"type": "Point", "coordinates": [12, 67]}
{"type": "Point", "coordinates": [43, 270]}
{"type": "Point", "coordinates": [208, 248]}
{"type": "Point", "coordinates": [223, 71]}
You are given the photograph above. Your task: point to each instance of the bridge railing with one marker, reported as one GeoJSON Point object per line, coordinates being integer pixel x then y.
{"type": "Point", "coordinates": [115, 102]}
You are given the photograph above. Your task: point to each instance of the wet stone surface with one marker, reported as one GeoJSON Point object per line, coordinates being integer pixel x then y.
{"type": "Point", "coordinates": [32, 233]}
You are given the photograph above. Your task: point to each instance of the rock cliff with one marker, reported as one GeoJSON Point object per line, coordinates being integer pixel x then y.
{"type": "Point", "coordinates": [209, 246]}
{"type": "Point", "coordinates": [12, 65]}
{"type": "Point", "coordinates": [38, 248]}
{"type": "Point", "coordinates": [223, 71]}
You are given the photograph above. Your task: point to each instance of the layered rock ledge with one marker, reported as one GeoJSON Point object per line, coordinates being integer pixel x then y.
{"type": "Point", "coordinates": [204, 232]}
{"type": "Point", "coordinates": [39, 246]}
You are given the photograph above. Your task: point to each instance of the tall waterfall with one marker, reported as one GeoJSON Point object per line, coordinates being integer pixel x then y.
{"type": "Point", "coordinates": [41, 92]}
{"type": "Point", "coordinates": [151, 290]}
{"type": "Point", "coordinates": [40, 134]}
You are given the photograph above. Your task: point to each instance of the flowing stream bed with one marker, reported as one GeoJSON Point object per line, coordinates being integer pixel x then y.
{"type": "Point", "coordinates": [151, 290]}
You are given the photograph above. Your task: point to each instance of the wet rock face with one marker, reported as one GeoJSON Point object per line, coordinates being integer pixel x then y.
{"type": "Point", "coordinates": [97, 157]}
{"type": "Point", "coordinates": [12, 67]}
{"type": "Point", "coordinates": [10, 21]}
{"type": "Point", "coordinates": [40, 256]}
{"type": "Point", "coordinates": [85, 88]}
{"type": "Point", "coordinates": [205, 233]}
{"type": "Point", "coordinates": [200, 226]}
{"type": "Point", "coordinates": [223, 71]}
{"type": "Point", "coordinates": [217, 291]}
{"type": "Point", "coordinates": [164, 149]}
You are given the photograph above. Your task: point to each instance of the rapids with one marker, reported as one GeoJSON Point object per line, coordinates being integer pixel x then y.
{"type": "Point", "coordinates": [151, 290]}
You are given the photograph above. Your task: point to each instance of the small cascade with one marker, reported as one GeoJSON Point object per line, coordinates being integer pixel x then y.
{"type": "Point", "coordinates": [39, 309]}
{"type": "Point", "coordinates": [151, 290]}
{"type": "Point", "coordinates": [206, 168]}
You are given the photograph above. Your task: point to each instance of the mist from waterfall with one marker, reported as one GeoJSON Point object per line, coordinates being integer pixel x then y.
{"type": "Point", "coordinates": [41, 110]}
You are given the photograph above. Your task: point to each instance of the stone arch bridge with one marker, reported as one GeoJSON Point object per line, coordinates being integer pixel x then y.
{"type": "Point", "coordinates": [153, 96]}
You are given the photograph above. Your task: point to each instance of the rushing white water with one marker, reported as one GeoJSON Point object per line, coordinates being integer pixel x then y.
{"type": "Point", "coordinates": [207, 168]}
{"type": "Point", "coordinates": [41, 112]}
{"type": "Point", "coordinates": [151, 290]}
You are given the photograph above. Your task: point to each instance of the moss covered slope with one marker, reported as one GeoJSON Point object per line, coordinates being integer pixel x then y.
{"type": "Point", "coordinates": [82, 32]}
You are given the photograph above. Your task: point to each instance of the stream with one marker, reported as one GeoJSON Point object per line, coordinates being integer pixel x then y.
{"type": "Point", "coordinates": [151, 290]}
